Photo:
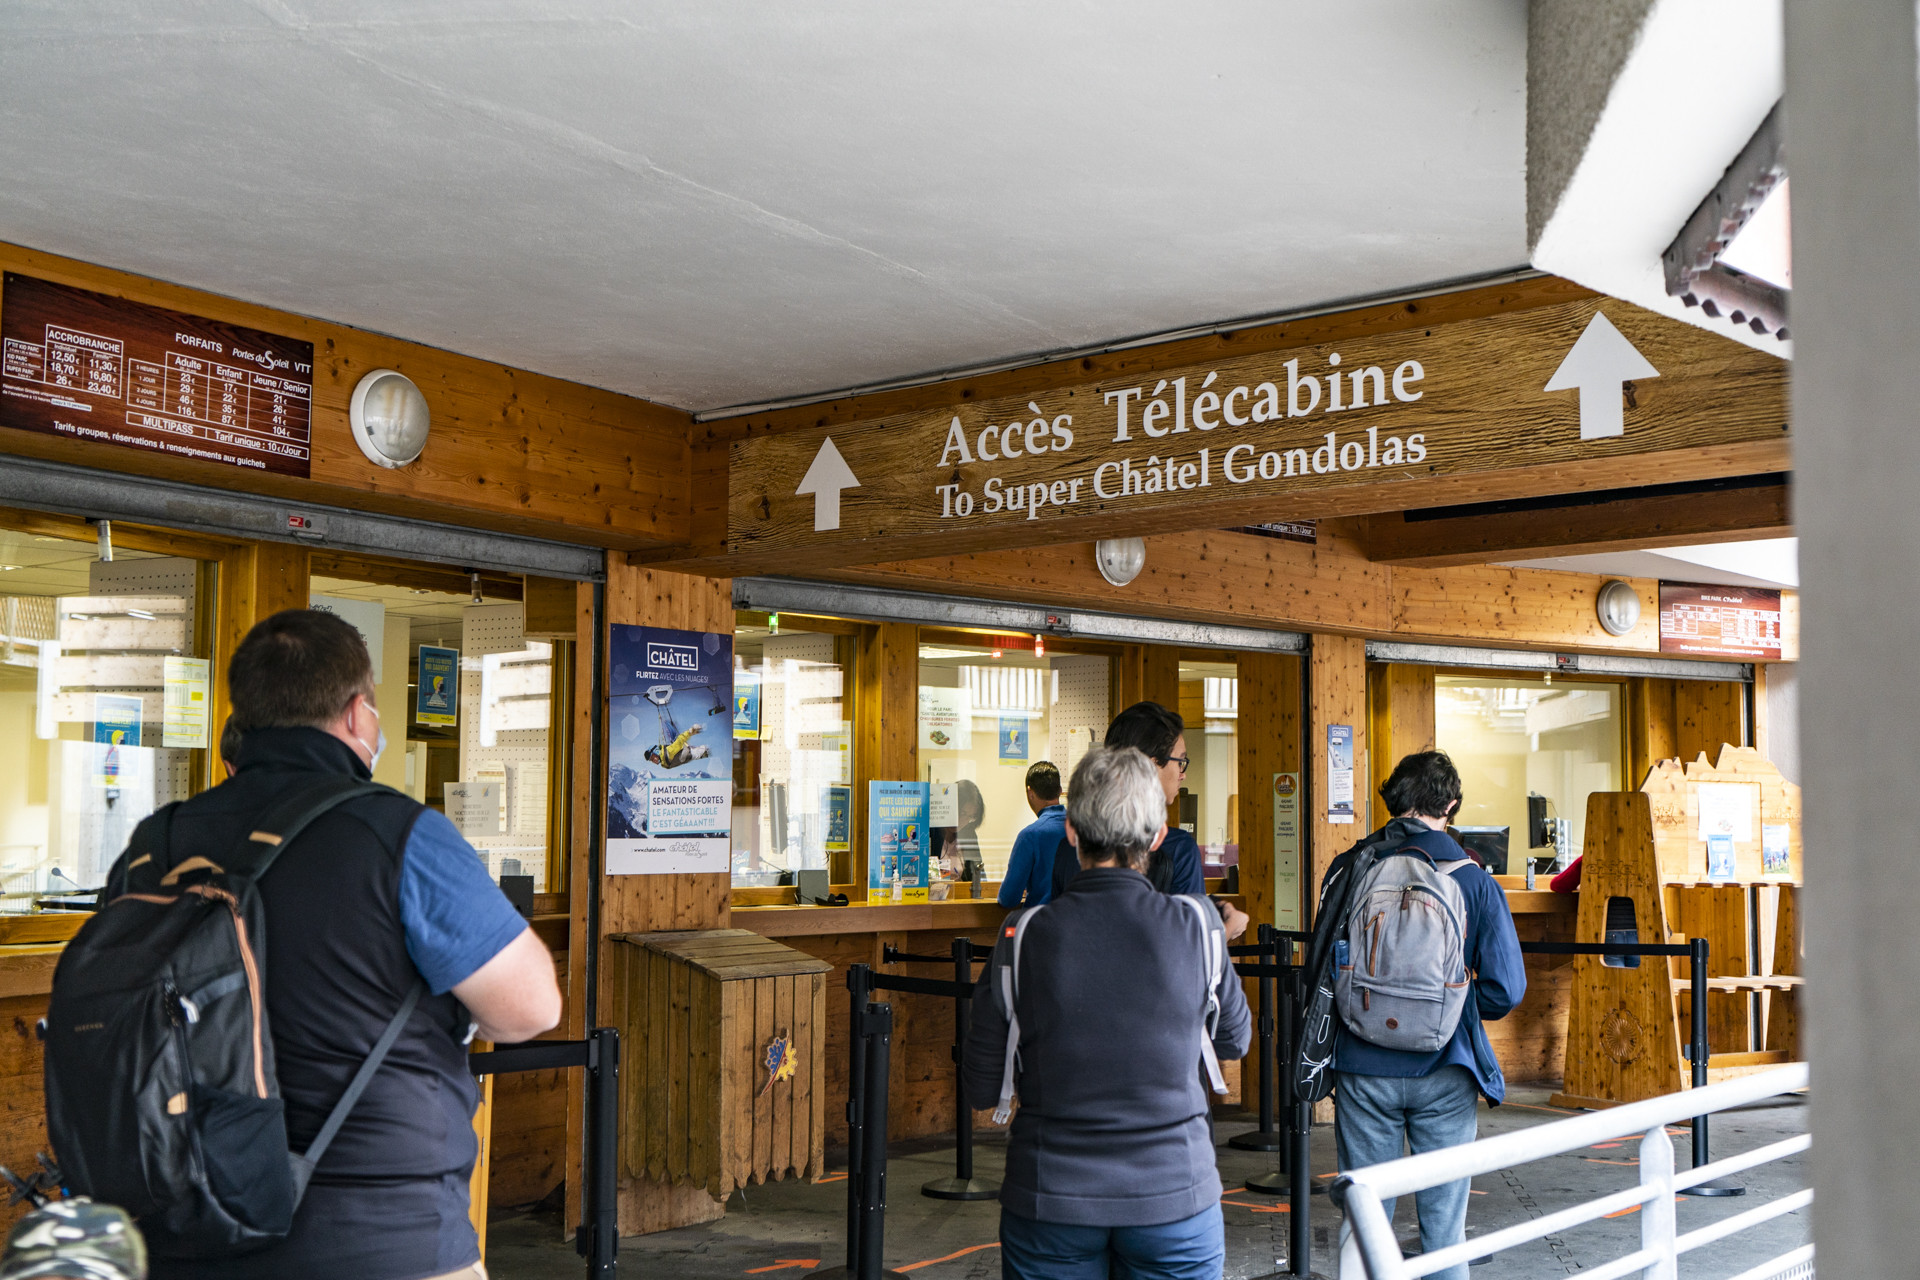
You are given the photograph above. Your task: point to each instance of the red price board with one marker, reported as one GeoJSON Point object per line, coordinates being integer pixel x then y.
{"type": "Point", "coordinates": [93, 367]}
{"type": "Point", "coordinates": [1727, 622]}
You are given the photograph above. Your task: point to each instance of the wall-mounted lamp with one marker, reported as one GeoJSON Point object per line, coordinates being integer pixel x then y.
{"type": "Point", "coordinates": [389, 418]}
{"type": "Point", "coordinates": [1618, 607]}
{"type": "Point", "coordinates": [1120, 560]}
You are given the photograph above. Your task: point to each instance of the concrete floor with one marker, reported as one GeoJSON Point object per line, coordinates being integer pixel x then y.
{"type": "Point", "coordinates": [785, 1229]}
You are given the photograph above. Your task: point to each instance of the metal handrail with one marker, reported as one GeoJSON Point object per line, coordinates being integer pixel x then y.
{"type": "Point", "coordinates": [1372, 1253]}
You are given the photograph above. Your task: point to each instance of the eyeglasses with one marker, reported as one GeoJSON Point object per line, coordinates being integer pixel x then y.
{"type": "Point", "coordinates": [1182, 761]}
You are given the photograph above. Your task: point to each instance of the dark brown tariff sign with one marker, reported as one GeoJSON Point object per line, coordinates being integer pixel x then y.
{"type": "Point", "coordinates": [93, 367]}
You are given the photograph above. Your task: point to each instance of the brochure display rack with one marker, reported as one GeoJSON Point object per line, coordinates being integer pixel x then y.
{"type": "Point", "coordinates": [1706, 849]}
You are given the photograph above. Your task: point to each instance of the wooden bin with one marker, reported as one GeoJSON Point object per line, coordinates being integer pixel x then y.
{"type": "Point", "coordinates": [700, 1107]}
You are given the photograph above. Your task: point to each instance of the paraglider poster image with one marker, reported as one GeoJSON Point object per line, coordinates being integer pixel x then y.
{"type": "Point", "coordinates": [670, 751]}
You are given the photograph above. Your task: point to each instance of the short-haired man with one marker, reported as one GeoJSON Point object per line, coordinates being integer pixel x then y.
{"type": "Point", "coordinates": [1110, 1165]}
{"type": "Point", "coordinates": [1388, 1100]}
{"type": "Point", "coordinates": [375, 896]}
{"type": "Point", "coordinates": [1161, 736]}
{"type": "Point", "coordinates": [1029, 878]}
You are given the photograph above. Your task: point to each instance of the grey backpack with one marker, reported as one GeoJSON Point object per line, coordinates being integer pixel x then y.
{"type": "Point", "coordinates": [1400, 966]}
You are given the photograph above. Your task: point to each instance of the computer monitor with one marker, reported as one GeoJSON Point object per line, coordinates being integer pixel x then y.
{"type": "Point", "coordinates": [1489, 842]}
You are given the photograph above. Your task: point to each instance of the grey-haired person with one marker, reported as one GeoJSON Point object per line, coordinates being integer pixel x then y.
{"type": "Point", "coordinates": [1110, 1164]}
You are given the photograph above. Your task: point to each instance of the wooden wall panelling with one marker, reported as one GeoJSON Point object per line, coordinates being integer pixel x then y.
{"type": "Point", "coordinates": [1531, 1041]}
{"type": "Point", "coordinates": [1160, 676]}
{"type": "Point", "coordinates": [256, 581]}
{"type": "Point", "coordinates": [1516, 606]}
{"type": "Point", "coordinates": [1707, 714]}
{"type": "Point", "coordinates": [549, 607]}
{"type": "Point", "coordinates": [1129, 676]}
{"type": "Point", "coordinates": [886, 715]}
{"type": "Point", "coordinates": [1401, 714]}
{"type": "Point", "coordinates": [511, 450]}
{"type": "Point", "coordinates": [1789, 957]}
{"type": "Point", "coordinates": [1336, 694]}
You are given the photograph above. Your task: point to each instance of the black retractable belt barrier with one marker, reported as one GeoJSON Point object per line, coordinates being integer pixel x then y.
{"type": "Point", "coordinates": [962, 1185]}
{"type": "Point", "coordinates": [1696, 1048]}
{"type": "Point", "coordinates": [1293, 1176]}
{"type": "Point", "coordinates": [870, 1035]}
{"type": "Point", "coordinates": [598, 1238]}
{"type": "Point", "coordinates": [1263, 1138]}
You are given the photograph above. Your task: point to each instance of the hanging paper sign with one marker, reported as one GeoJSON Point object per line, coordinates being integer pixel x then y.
{"type": "Point", "coordinates": [185, 723]}
{"type": "Point", "coordinates": [746, 710]}
{"type": "Point", "coordinates": [436, 698]}
{"type": "Point", "coordinates": [669, 752]}
{"type": "Point", "coordinates": [839, 837]}
{"type": "Point", "coordinates": [1286, 851]}
{"type": "Point", "coordinates": [1013, 740]}
{"type": "Point", "coordinates": [1340, 773]}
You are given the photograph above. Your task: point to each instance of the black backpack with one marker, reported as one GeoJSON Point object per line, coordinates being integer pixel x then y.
{"type": "Point", "coordinates": [161, 1092]}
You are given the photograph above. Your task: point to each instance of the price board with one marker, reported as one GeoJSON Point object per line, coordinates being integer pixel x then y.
{"type": "Point", "coordinates": [93, 367]}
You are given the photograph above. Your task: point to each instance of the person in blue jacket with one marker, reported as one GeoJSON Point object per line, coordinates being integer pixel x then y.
{"type": "Point", "coordinates": [1389, 1100]}
{"type": "Point", "coordinates": [1029, 878]}
{"type": "Point", "coordinates": [1161, 736]}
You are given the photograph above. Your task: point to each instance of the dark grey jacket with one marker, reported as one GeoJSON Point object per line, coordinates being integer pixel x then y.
{"type": "Point", "coordinates": [1113, 1125]}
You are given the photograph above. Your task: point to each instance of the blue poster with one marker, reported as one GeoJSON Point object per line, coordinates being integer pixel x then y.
{"type": "Point", "coordinates": [436, 695]}
{"type": "Point", "coordinates": [116, 719]}
{"type": "Point", "coordinates": [1013, 739]}
{"type": "Point", "coordinates": [896, 842]}
{"type": "Point", "coordinates": [839, 819]}
{"type": "Point", "coordinates": [746, 709]}
{"type": "Point", "coordinates": [1720, 858]}
{"type": "Point", "coordinates": [669, 751]}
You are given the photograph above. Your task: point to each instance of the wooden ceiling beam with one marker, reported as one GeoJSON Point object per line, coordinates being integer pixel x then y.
{"type": "Point", "coordinates": [1435, 539]}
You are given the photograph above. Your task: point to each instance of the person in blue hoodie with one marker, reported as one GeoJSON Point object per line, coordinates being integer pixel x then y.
{"type": "Point", "coordinates": [1029, 878]}
{"type": "Point", "coordinates": [1388, 1101]}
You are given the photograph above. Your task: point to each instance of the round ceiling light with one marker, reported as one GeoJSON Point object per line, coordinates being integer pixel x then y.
{"type": "Point", "coordinates": [389, 418]}
{"type": "Point", "coordinates": [1120, 559]}
{"type": "Point", "coordinates": [1618, 607]}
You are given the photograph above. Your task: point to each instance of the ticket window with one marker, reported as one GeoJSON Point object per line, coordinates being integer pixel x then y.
{"type": "Point", "coordinates": [1209, 803]}
{"type": "Point", "coordinates": [104, 704]}
{"type": "Point", "coordinates": [987, 712]}
{"type": "Point", "coordinates": [793, 792]}
{"type": "Point", "coordinates": [481, 742]}
{"type": "Point", "coordinates": [1515, 737]}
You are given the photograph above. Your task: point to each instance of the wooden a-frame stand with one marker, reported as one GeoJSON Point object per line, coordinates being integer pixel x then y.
{"type": "Point", "coordinates": [1646, 879]}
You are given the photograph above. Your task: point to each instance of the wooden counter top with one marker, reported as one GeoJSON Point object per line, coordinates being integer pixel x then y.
{"type": "Point", "coordinates": [967, 913]}
{"type": "Point", "coordinates": [27, 970]}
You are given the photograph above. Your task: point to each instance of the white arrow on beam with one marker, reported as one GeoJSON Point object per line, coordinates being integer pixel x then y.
{"type": "Point", "coordinates": [828, 475]}
{"type": "Point", "coordinates": [1600, 361]}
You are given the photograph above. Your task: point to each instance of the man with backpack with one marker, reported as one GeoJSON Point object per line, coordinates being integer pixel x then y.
{"type": "Point", "coordinates": [297, 943]}
{"type": "Point", "coordinates": [1105, 1009]}
{"type": "Point", "coordinates": [1423, 950]}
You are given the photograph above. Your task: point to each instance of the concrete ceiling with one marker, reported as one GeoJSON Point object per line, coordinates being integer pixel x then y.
{"type": "Point", "coordinates": [717, 204]}
{"type": "Point", "coordinates": [1765, 562]}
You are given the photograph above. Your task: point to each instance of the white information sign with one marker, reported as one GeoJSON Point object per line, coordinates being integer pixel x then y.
{"type": "Point", "coordinates": [1727, 809]}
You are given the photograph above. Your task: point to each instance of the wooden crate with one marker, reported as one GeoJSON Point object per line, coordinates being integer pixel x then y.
{"type": "Point", "coordinates": [699, 1106]}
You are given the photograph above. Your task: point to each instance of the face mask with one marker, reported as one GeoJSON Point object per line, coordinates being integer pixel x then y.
{"type": "Point", "coordinates": [379, 742]}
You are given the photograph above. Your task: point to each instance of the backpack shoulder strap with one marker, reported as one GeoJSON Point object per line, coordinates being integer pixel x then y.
{"type": "Point", "coordinates": [304, 1165]}
{"type": "Point", "coordinates": [275, 829]}
{"type": "Point", "coordinates": [1214, 940]}
{"type": "Point", "coordinates": [1009, 986]}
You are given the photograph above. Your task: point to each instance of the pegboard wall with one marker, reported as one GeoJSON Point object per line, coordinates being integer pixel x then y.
{"type": "Point", "coordinates": [150, 576]}
{"type": "Point", "coordinates": [518, 757]}
{"type": "Point", "coordinates": [1081, 709]}
{"type": "Point", "coordinates": [492, 628]}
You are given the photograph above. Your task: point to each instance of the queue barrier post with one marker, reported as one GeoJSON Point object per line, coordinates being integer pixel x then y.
{"type": "Point", "coordinates": [598, 1238]}
{"type": "Point", "coordinates": [962, 1185]}
{"type": "Point", "coordinates": [1264, 1138]}
{"type": "Point", "coordinates": [869, 1036]}
{"type": "Point", "coordinates": [1699, 1051]}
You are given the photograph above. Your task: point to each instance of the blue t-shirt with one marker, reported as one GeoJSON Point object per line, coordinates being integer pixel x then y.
{"type": "Point", "coordinates": [1029, 877]}
{"type": "Point", "coordinates": [454, 915]}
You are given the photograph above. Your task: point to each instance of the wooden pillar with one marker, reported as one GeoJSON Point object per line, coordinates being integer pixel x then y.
{"type": "Point", "coordinates": [1269, 743]}
{"type": "Point", "coordinates": [636, 595]}
{"type": "Point", "coordinates": [1336, 694]}
{"type": "Point", "coordinates": [1708, 713]}
{"type": "Point", "coordinates": [1650, 726]}
{"type": "Point", "coordinates": [1160, 677]}
{"type": "Point", "coordinates": [1400, 715]}
{"type": "Point", "coordinates": [1129, 676]}
{"type": "Point", "coordinates": [886, 719]}
{"type": "Point", "coordinates": [256, 581]}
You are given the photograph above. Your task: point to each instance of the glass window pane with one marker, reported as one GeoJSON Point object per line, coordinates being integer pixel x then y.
{"type": "Point", "coordinates": [1514, 737]}
{"type": "Point", "coordinates": [985, 716]}
{"type": "Point", "coordinates": [792, 753]}
{"type": "Point", "coordinates": [1209, 806]}
{"type": "Point", "coordinates": [103, 690]}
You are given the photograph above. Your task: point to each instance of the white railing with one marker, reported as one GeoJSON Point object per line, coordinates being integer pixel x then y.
{"type": "Point", "coordinates": [1370, 1251]}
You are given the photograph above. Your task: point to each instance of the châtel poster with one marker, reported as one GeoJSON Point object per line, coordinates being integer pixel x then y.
{"type": "Point", "coordinates": [669, 752]}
